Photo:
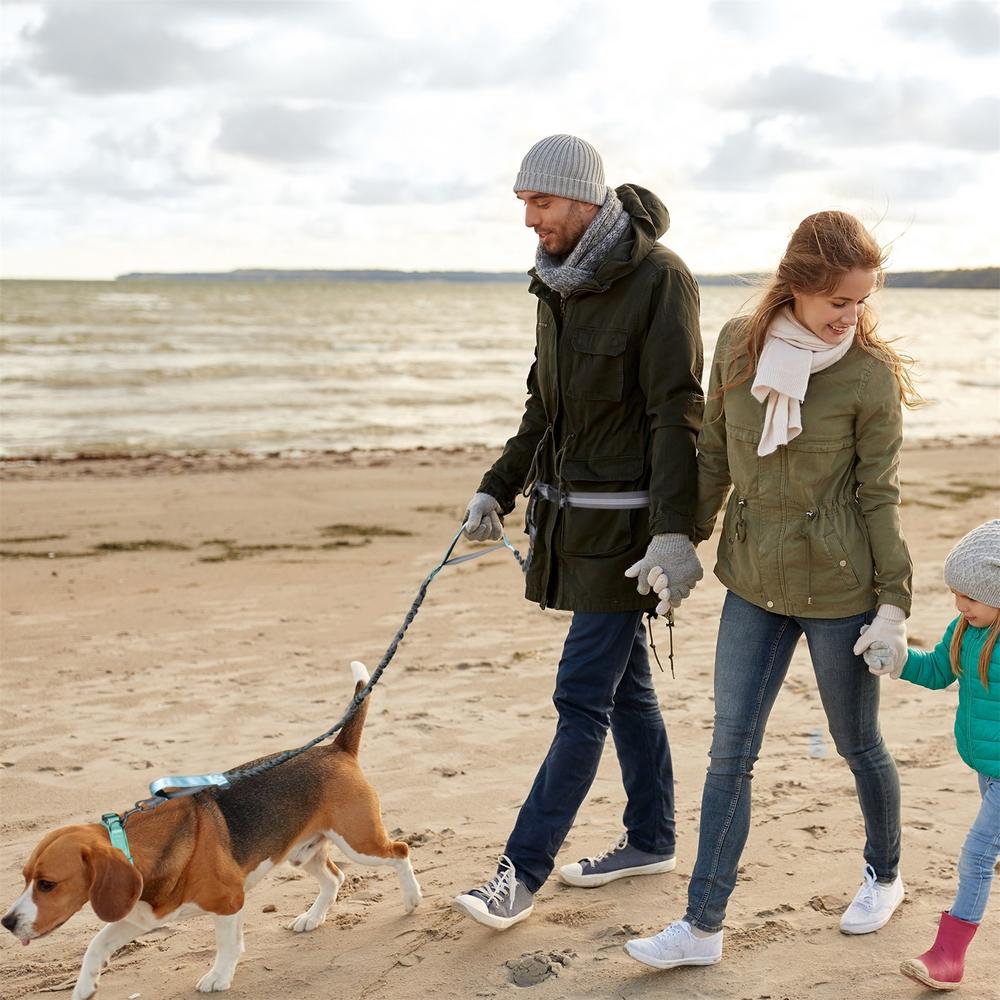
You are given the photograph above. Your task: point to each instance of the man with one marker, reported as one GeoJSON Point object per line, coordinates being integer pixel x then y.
{"type": "Point", "coordinates": [606, 454]}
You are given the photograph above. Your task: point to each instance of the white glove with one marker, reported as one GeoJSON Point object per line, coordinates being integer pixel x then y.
{"type": "Point", "coordinates": [888, 630]}
{"type": "Point", "coordinates": [882, 661]}
{"type": "Point", "coordinates": [482, 519]}
{"type": "Point", "coordinates": [670, 567]}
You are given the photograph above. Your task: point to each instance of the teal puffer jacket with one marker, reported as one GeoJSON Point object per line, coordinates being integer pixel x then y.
{"type": "Point", "coordinates": [977, 722]}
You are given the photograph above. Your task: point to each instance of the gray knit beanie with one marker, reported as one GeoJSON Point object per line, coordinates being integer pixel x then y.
{"type": "Point", "coordinates": [565, 166]}
{"type": "Point", "coordinates": [973, 566]}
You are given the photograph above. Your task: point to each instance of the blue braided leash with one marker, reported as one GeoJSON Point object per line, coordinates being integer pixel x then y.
{"type": "Point", "coordinates": [174, 786]}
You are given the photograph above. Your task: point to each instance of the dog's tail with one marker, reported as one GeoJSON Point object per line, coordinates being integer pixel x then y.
{"type": "Point", "coordinates": [349, 738]}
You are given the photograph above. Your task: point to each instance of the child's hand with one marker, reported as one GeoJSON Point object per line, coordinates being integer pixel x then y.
{"type": "Point", "coordinates": [882, 659]}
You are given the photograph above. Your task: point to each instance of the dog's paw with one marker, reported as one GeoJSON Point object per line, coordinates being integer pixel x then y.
{"type": "Point", "coordinates": [214, 982]}
{"type": "Point", "coordinates": [412, 900]}
{"type": "Point", "coordinates": [307, 921]}
{"type": "Point", "coordinates": [84, 990]}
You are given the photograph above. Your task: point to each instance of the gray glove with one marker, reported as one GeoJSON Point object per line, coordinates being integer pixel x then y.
{"type": "Point", "coordinates": [882, 660]}
{"type": "Point", "coordinates": [482, 519]}
{"type": "Point", "coordinates": [670, 566]}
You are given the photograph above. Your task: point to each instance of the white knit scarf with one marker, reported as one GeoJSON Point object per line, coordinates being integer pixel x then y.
{"type": "Point", "coordinates": [791, 354]}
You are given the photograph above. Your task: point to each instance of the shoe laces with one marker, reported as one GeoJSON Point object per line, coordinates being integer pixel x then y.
{"type": "Point", "coordinates": [868, 893]}
{"type": "Point", "coordinates": [502, 886]}
{"type": "Point", "coordinates": [676, 929]}
{"type": "Point", "coordinates": [620, 844]}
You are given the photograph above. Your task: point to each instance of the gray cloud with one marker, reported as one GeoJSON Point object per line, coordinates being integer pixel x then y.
{"type": "Point", "coordinates": [875, 111]}
{"type": "Point", "coordinates": [744, 158]}
{"type": "Point", "coordinates": [741, 17]}
{"type": "Point", "coordinates": [465, 62]}
{"type": "Point", "coordinates": [404, 190]}
{"type": "Point", "coordinates": [101, 47]}
{"type": "Point", "coordinates": [104, 48]}
{"type": "Point", "coordinates": [138, 47]}
{"type": "Point", "coordinates": [907, 184]}
{"type": "Point", "coordinates": [972, 26]}
{"type": "Point", "coordinates": [142, 164]}
{"type": "Point", "coordinates": [279, 134]}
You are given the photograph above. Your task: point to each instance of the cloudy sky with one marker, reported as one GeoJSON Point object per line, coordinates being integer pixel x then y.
{"type": "Point", "coordinates": [215, 134]}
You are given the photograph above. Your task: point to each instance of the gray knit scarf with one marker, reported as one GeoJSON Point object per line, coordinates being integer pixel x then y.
{"type": "Point", "coordinates": [566, 275]}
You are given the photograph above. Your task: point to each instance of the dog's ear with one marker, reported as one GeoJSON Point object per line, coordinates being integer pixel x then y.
{"type": "Point", "coordinates": [115, 884]}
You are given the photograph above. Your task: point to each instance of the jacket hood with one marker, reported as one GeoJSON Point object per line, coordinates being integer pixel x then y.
{"type": "Point", "coordinates": [650, 218]}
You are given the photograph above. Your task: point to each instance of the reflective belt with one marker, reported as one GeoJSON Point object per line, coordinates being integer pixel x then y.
{"type": "Point", "coordinates": [592, 501]}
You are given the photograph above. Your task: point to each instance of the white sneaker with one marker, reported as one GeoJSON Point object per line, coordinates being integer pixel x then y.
{"type": "Point", "coordinates": [676, 945]}
{"type": "Point", "coordinates": [873, 905]}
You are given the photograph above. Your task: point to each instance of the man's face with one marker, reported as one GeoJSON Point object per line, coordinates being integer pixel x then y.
{"type": "Point", "coordinates": [559, 222]}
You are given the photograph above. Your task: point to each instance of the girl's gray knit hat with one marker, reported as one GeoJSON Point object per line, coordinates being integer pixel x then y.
{"type": "Point", "coordinates": [565, 166]}
{"type": "Point", "coordinates": [973, 566]}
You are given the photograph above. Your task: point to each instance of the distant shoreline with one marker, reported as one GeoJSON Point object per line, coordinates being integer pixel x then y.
{"type": "Point", "coordinates": [980, 277]}
{"type": "Point", "coordinates": [961, 278]}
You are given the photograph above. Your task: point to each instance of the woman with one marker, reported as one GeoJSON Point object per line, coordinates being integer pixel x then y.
{"type": "Point", "coordinates": [804, 421]}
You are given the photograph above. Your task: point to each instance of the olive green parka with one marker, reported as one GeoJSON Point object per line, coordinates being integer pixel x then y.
{"type": "Point", "coordinates": [614, 404]}
{"type": "Point", "coordinates": [812, 529]}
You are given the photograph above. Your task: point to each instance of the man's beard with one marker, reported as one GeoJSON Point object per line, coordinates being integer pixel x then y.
{"type": "Point", "coordinates": [567, 243]}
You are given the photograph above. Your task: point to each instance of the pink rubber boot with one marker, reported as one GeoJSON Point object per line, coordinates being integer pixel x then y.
{"type": "Point", "coordinates": [942, 965]}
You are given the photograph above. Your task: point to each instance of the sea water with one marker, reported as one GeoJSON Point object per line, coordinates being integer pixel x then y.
{"type": "Point", "coordinates": [110, 367]}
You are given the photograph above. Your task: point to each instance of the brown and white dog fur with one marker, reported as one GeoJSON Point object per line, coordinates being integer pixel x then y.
{"type": "Point", "coordinates": [202, 853]}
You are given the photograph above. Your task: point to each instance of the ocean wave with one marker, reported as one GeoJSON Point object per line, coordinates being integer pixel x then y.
{"type": "Point", "coordinates": [178, 366]}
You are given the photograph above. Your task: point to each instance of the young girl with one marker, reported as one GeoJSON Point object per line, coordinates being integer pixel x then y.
{"type": "Point", "coordinates": [803, 421]}
{"type": "Point", "coordinates": [969, 652]}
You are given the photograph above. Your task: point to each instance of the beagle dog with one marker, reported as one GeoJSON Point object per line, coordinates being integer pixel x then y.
{"type": "Point", "coordinates": [202, 853]}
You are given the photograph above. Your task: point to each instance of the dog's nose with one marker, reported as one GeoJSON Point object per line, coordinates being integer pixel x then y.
{"type": "Point", "coordinates": [9, 921]}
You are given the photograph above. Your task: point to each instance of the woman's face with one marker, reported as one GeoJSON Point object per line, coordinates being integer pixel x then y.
{"type": "Point", "coordinates": [831, 317]}
{"type": "Point", "coordinates": [975, 613]}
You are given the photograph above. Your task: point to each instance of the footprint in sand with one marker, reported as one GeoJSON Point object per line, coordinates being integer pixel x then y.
{"type": "Point", "coordinates": [579, 916]}
{"type": "Point", "coordinates": [760, 934]}
{"type": "Point", "coordinates": [535, 967]}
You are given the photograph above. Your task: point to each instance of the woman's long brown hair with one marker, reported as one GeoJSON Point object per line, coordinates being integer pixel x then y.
{"type": "Point", "coordinates": [825, 247]}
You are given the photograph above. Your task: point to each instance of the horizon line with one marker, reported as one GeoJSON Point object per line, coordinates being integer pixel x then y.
{"type": "Point", "coordinates": [263, 271]}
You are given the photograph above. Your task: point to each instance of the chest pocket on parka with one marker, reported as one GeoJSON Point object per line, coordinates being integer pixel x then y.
{"type": "Point", "coordinates": [596, 364]}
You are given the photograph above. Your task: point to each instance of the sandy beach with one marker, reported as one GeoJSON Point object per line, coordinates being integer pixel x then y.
{"type": "Point", "coordinates": [178, 615]}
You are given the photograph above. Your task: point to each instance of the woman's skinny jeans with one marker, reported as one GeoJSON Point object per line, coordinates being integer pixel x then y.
{"type": "Point", "coordinates": [751, 659]}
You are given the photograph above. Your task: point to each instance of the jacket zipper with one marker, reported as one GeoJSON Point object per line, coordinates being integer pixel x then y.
{"type": "Point", "coordinates": [560, 329]}
{"type": "Point", "coordinates": [781, 537]}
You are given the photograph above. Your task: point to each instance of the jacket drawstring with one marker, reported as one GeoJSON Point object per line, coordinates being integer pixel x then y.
{"type": "Point", "coordinates": [559, 461]}
{"type": "Point", "coordinates": [532, 476]}
{"type": "Point", "coordinates": [669, 618]}
{"type": "Point", "coordinates": [741, 528]}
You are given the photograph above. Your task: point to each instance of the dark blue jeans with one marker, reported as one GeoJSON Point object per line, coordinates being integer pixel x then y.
{"type": "Point", "coordinates": [751, 659]}
{"type": "Point", "coordinates": [603, 681]}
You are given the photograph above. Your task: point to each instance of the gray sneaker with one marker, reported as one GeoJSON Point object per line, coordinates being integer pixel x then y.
{"type": "Point", "coordinates": [501, 903]}
{"type": "Point", "coordinates": [618, 861]}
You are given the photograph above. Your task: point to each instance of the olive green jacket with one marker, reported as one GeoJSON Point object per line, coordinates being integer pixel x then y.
{"type": "Point", "coordinates": [813, 528]}
{"type": "Point", "coordinates": [614, 404]}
